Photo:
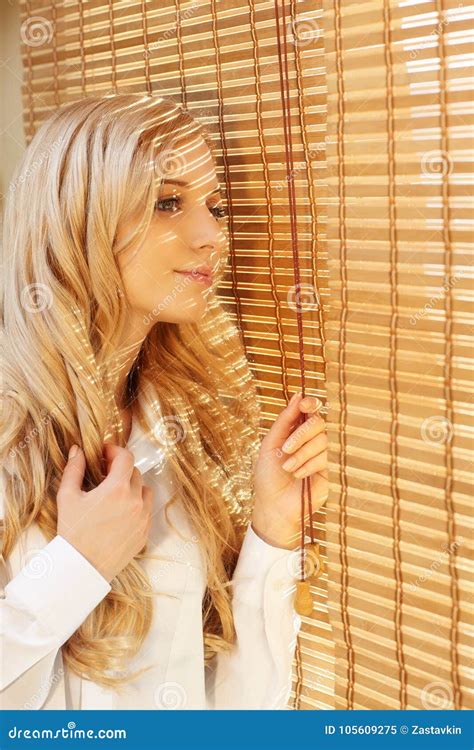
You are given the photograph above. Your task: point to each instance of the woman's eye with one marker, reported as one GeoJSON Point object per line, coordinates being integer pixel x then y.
{"type": "Point", "coordinates": [219, 212]}
{"type": "Point", "coordinates": [173, 204]}
{"type": "Point", "coordinates": [167, 204]}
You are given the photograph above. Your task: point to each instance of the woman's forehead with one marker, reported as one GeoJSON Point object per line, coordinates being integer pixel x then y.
{"type": "Point", "coordinates": [190, 166]}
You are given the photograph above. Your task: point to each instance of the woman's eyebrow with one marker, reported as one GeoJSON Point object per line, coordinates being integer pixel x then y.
{"type": "Point", "coordinates": [175, 182]}
{"type": "Point", "coordinates": [182, 183]}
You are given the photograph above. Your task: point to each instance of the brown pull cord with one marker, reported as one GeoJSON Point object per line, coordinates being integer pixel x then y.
{"type": "Point", "coordinates": [303, 600]}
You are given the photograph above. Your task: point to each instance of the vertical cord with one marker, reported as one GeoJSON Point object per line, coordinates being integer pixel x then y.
{"type": "Point", "coordinates": [285, 98]}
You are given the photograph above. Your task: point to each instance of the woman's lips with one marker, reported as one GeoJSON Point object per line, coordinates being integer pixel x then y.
{"type": "Point", "coordinates": [201, 278]}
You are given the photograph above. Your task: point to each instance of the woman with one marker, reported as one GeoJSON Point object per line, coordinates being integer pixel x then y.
{"type": "Point", "coordinates": [131, 460]}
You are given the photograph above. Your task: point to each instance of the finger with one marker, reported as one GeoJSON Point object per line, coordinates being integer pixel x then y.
{"type": "Point", "coordinates": [313, 466]}
{"type": "Point", "coordinates": [310, 428]}
{"type": "Point", "coordinates": [136, 481]}
{"type": "Point", "coordinates": [310, 404]}
{"type": "Point", "coordinates": [73, 474]}
{"type": "Point", "coordinates": [109, 451]}
{"type": "Point", "coordinates": [147, 496]}
{"type": "Point", "coordinates": [122, 464]}
{"type": "Point", "coordinates": [310, 449]}
{"type": "Point", "coordinates": [284, 423]}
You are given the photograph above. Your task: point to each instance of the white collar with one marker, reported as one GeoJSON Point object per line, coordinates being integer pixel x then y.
{"type": "Point", "coordinates": [147, 454]}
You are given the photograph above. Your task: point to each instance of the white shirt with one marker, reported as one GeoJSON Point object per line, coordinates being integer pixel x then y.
{"type": "Point", "coordinates": [50, 589]}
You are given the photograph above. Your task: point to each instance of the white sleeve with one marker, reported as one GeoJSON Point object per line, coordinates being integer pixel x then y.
{"type": "Point", "coordinates": [41, 607]}
{"type": "Point", "coordinates": [256, 673]}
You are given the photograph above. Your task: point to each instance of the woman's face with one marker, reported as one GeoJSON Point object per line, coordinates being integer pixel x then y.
{"type": "Point", "coordinates": [171, 274]}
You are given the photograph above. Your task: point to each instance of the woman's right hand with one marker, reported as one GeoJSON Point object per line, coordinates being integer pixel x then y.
{"type": "Point", "coordinates": [110, 524]}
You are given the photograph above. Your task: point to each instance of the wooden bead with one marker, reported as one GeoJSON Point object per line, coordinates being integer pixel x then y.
{"type": "Point", "coordinates": [303, 602]}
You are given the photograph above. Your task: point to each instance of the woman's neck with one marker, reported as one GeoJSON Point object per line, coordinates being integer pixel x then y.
{"type": "Point", "coordinates": [119, 367]}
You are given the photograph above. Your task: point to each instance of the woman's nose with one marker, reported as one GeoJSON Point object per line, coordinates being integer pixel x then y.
{"type": "Point", "coordinates": [203, 229]}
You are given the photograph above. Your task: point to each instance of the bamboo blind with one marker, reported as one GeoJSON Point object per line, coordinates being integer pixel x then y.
{"type": "Point", "coordinates": [220, 59]}
{"type": "Point", "coordinates": [393, 195]}
{"type": "Point", "coordinates": [400, 422]}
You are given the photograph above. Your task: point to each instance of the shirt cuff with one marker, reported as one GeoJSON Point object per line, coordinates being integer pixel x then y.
{"type": "Point", "coordinates": [60, 586]}
{"type": "Point", "coordinates": [262, 566]}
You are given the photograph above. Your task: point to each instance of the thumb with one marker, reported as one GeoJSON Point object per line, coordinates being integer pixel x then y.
{"type": "Point", "coordinates": [109, 452]}
{"type": "Point", "coordinates": [73, 474]}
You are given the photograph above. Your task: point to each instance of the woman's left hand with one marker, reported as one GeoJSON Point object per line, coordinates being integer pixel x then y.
{"type": "Point", "coordinates": [276, 514]}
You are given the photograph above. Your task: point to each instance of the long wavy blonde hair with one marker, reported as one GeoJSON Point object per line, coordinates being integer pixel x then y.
{"type": "Point", "coordinates": [64, 305]}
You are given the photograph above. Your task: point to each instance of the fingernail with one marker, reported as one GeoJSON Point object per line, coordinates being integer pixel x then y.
{"type": "Point", "coordinates": [288, 465]}
{"type": "Point", "coordinates": [294, 397]}
{"type": "Point", "coordinates": [286, 446]}
{"type": "Point", "coordinates": [307, 402]}
{"type": "Point", "coordinates": [73, 451]}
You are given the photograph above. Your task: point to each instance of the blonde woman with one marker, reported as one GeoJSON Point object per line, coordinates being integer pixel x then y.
{"type": "Point", "coordinates": [147, 530]}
